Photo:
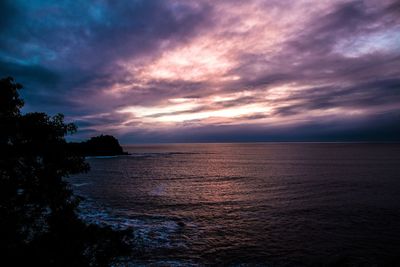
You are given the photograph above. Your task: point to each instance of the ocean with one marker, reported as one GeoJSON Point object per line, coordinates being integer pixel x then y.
{"type": "Point", "coordinates": [251, 204]}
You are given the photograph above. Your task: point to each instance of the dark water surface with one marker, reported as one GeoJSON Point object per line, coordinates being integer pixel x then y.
{"type": "Point", "coordinates": [279, 204]}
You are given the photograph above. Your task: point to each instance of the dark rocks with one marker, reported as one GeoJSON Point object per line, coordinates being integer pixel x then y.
{"type": "Point", "coordinates": [103, 145]}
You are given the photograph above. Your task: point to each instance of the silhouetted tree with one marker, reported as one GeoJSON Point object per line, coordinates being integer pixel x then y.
{"type": "Point", "coordinates": [39, 225]}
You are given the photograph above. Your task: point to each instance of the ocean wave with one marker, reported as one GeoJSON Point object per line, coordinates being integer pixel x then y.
{"type": "Point", "coordinates": [80, 184]}
{"type": "Point", "coordinates": [149, 232]}
{"type": "Point", "coordinates": [101, 157]}
{"type": "Point", "coordinates": [163, 154]}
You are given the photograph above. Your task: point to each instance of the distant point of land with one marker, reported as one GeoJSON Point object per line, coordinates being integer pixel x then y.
{"type": "Point", "coordinates": [102, 145]}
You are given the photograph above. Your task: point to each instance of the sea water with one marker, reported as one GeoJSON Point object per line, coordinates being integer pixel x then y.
{"type": "Point", "coordinates": [258, 204]}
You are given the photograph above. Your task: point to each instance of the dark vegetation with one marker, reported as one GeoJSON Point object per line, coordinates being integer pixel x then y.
{"type": "Point", "coordinates": [103, 145]}
{"type": "Point", "coordinates": [39, 224]}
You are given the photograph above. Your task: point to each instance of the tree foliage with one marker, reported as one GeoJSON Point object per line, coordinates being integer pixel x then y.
{"type": "Point", "coordinates": [39, 224]}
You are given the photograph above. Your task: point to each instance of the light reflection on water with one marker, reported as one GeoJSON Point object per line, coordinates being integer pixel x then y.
{"type": "Point", "coordinates": [277, 204]}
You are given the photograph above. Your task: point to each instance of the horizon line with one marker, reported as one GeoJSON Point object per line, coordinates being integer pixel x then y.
{"type": "Point", "coordinates": [267, 142]}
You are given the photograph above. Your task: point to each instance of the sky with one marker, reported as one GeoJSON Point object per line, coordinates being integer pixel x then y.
{"type": "Point", "coordinates": [209, 71]}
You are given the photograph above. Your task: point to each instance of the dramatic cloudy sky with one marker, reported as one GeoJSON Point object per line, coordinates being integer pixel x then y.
{"type": "Point", "coordinates": [209, 70]}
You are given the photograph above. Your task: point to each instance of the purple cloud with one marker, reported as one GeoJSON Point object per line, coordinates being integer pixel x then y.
{"type": "Point", "coordinates": [165, 70]}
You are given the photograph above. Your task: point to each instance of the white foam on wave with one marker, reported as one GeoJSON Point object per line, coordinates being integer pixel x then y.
{"type": "Point", "coordinates": [80, 184]}
{"type": "Point", "coordinates": [149, 233]}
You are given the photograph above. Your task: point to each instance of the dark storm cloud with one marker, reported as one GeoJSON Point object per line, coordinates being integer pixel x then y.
{"type": "Point", "coordinates": [314, 49]}
{"type": "Point", "coordinates": [346, 20]}
{"type": "Point", "coordinates": [374, 93]}
{"type": "Point", "coordinates": [74, 45]}
{"type": "Point", "coordinates": [208, 68]}
{"type": "Point", "coordinates": [33, 72]}
{"type": "Point", "coordinates": [386, 128]}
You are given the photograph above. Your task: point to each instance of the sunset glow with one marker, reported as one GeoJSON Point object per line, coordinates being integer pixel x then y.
{"type": "Point", "coordinates": [186, 65]}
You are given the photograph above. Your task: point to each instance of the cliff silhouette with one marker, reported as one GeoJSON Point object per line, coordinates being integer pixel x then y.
{"type": "Point", "coordinates": [102, 145]}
